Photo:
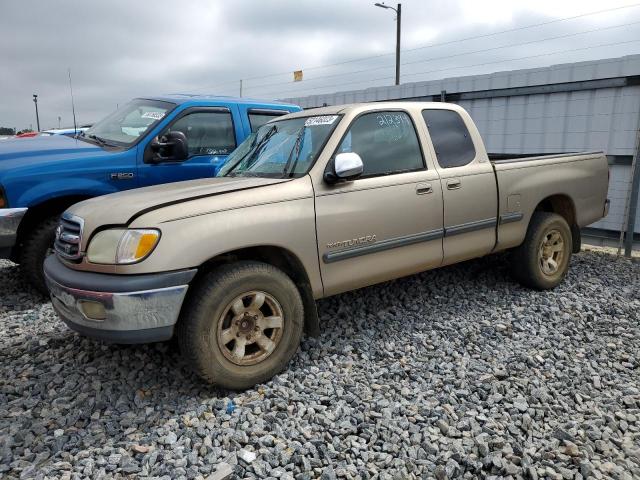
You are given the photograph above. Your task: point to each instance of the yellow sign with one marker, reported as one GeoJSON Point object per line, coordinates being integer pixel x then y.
{"type": "Point", "coordinates": [297, 76]}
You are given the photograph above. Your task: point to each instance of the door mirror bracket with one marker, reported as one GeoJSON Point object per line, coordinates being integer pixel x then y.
{"type": "Point", "coordinates": [344, 167]}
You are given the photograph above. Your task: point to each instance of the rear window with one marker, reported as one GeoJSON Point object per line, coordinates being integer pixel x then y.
{"type": "Point", "coordinates": [451, 139]}
{"type": "Point", "coordinates": [257, 118]}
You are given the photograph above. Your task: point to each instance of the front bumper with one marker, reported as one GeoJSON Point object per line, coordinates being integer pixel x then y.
{"type": "Point", "coordinates": [10, 219]}
{"type": "Point", "coordinates": [117, 308]}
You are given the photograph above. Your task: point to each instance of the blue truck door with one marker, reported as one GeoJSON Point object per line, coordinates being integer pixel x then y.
{"type": "Point", "coordinates": [212, 134]}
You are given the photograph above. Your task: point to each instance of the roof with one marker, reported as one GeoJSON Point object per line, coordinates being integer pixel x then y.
{"type": "Point", "coordinates": [181, 98]}
{"type": "Point", "coordinates": [338, 109]}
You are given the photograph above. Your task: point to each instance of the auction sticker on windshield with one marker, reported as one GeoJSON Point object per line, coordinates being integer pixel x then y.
{"type": "Point", "coordinates": [320, 120]}
{"type": "Point", "coordinates": [154, 115]}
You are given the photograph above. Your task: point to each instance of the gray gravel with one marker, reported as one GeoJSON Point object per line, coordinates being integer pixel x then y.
{"type": "Point", "coordinates": [452, 373]}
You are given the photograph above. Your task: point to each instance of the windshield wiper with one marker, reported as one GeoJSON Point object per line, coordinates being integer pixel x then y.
{"type": "Point", "coordinates": [297, 146]}
{"type": "Point", "coordinates": [254, 153]}
{"type": "Point", "coordinates": [101, 141]}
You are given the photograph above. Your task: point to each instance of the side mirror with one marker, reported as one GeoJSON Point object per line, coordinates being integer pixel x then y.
{"type": "Point", "coordinates": [343, 168]}
{"type": "Point", "coordinates": [171, 147]}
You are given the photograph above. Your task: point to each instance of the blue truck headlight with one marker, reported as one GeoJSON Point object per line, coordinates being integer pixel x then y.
{"type": "Point", "coordinates": [122, 246]}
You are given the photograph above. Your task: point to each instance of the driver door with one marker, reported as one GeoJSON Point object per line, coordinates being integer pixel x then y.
{"type": "Point", "coordinates": [211, 137]}
{"type": "Point", "coordinates": [388, 222]}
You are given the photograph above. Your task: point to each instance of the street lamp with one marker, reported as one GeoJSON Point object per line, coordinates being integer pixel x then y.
{"type": "Point", "coordinates": [35, 100]}
{"type": "Point", "coordinates": [398, 11]}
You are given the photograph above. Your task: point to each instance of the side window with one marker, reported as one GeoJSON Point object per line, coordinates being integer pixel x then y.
{"type": "Point", "coordinates": [257, 118]}
{"type": "Point", "coordinates": [386, 142]}
{"type": "Point", "coordinates": [451, 139]}
{"type": "Point", "coordinates": [208, 133]}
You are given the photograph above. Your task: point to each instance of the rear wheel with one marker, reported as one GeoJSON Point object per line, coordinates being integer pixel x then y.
{"type": "Point", "coordinates": [242, 325]}
{"type": "Point", "coordinates": [36, 246]}
{"type": "Point", "coordinates": [542, 261]}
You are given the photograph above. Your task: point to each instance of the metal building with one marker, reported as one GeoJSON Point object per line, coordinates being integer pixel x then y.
{"type": "Point", "coordinates": [562, 108]}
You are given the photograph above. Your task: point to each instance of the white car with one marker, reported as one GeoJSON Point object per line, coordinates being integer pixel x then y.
{"type": "Point", "coordinates": [69, 132]}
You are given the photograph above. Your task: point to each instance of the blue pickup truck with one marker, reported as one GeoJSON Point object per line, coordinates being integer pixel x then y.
{"type": "Point", "coordinates": [146, 142]}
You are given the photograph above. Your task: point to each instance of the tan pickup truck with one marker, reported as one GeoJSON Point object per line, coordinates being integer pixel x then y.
{"type": "Point", "coordinates": [313, 204]}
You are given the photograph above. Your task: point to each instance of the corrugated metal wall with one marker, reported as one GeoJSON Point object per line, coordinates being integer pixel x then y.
{"type": "Point", "coordinates": [595, 106]}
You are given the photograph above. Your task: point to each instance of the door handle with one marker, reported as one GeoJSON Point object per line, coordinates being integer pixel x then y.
{"type": "Point", "coordinates": [454, 184]}
{"type": "Point", "coordinates": [423, 188]}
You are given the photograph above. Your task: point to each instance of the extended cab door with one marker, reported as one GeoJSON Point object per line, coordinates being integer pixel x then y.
{"type": "Point", "coordinates": [212, 134]}
{"type": "Point", "coordinates": [388, 222]}
{"type": "Point", "coordinates": [468, 185]}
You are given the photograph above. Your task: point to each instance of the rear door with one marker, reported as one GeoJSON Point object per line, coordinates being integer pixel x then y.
{"type": "Point", "coordinates": [468, 185]}
{"type": "Point", "coordinates": [212, 134]}
{"type": "Point", "coordinates": [388, 222]}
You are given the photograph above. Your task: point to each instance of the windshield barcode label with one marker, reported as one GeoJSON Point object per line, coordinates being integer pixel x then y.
{"type": "Point", "coordinates": [154, 115]}
{"type": "Point", "coordinates": [321, 120]}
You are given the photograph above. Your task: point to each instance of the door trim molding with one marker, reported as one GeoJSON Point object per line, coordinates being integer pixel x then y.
{"type": "Point", "coordinates": [511, 217]}
{"type": "Point", "coordinates": [470, 227]}
{"type": "Point", "coordinates": [331, 257]}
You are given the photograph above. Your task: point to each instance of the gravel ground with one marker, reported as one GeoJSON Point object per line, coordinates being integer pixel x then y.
{"type": "Point", "coordinates": [452, 373]}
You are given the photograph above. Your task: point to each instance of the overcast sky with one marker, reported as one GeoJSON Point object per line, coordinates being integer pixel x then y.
{"type": "Point", "coordinates": [119, 49]}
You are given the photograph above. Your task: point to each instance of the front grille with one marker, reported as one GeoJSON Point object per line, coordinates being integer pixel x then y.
{"type": "Point", "coordinates": [69, 236]}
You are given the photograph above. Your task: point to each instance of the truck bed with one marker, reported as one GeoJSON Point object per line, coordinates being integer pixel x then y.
{"type": "Point", "coordinates": [575, 182]}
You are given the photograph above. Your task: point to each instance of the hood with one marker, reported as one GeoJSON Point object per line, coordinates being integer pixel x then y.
{"type": "Point", "coordinates": [25, 151]}
{"type": "Point", "coordinates": [122, 207]}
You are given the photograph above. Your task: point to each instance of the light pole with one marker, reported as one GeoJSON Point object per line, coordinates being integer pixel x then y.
{"type": "Point", "coordinates": [35, 100]}
{"type": "Point", "coordinates": [398, 11]}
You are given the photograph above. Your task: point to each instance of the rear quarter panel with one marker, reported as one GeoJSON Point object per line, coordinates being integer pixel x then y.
{"type": "Point", "coordinates": [522, 185]}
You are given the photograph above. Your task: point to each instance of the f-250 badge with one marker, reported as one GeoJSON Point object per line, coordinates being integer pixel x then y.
{"type": "Point", "coordinates": [121, 176]}
{"type": "Point", "coordinates": [352, 242]}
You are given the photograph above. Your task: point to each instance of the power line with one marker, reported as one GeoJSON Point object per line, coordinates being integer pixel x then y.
{"type": "Point", "coordinates": [486, 35]}
{"type": "Point", "coordinates": [414, 62]}
{"type": "Point", "coordinates": [458, 67]}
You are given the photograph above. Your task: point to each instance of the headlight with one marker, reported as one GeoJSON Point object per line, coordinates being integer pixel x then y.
{"type": "Point", "coordinates": [122, 246]}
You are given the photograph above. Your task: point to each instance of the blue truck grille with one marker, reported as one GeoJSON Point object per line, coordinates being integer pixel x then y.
{"type": "Point", "coordinates": [68, 237]}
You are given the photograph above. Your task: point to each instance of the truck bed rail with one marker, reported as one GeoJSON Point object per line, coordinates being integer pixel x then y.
{"type": "Point", "coordinates": [517, 158]}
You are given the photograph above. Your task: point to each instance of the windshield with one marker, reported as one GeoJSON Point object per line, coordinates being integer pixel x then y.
{"type": "Point", "coordinates": [281, 149]}
{"type": "Point", "coordinates": [130, 122]}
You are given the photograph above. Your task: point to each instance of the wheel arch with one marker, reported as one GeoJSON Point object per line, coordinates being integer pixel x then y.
{"type": "Point", "coordinates": [563, 205]}
{"type": "Point", "coordinates": [282, 259]}
{"type": "Point", "coordinates": [40, 211]}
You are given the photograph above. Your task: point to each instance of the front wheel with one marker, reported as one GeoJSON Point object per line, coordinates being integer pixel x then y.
{"type": "Point", "coordinates": [542, 261]}
{"type": "Point", "coordinates": [242, 324]}
{"type": "Point", "coordinates": [36, 247]}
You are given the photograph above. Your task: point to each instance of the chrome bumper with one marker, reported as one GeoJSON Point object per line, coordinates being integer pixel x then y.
{"type": "Point", "coordinates": [141, 316]}
{"type": "Point", "coordinates": [10, 219]}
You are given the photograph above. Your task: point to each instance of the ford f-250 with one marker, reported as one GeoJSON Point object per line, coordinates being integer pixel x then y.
{"type": "Point", "coordinates": [40, 177]}
{"type": "Point", "coordinates": [317, 203]}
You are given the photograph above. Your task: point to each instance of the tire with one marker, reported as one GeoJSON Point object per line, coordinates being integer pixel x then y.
{"type": "Point", "coordinates": [212, 316]}
{"type": "Point", "coordinates": [36, 245]}
{"type": "Point", "coordinates": [539, 266]}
